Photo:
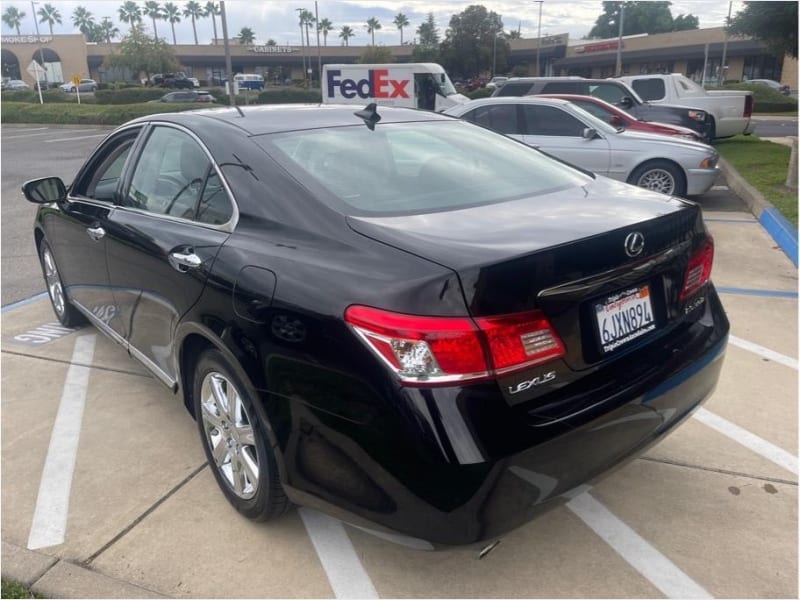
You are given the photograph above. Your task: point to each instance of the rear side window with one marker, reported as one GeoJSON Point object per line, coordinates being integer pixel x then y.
{"type": "Point", "coordinates": [650, 89]}
{"type": "Point", "coordinates": [552, 121]}
{"type": "Point", "coordinates": [501, 118]}
{"type": "Point", "coordinates": [566, 87]}
{"type": "Point", "coordinates": [607, 91]}
{"type": "Point", "coordinates": [514, 89]}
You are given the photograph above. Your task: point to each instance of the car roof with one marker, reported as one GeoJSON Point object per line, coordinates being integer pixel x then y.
{"type": "Point", "coordinates": [517, 99]}
{"type": "Point", "coordinates": [275, 118]}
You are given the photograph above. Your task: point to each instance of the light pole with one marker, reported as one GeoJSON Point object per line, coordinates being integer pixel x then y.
{"type": "Point", "coordinates": [618, 70]}
{"type": "Point", "coordinates": [497, 34]}
{"type": "Point", "coordinates": [228, 68]}
{"type": "Point", "coordinates": [539, 38]}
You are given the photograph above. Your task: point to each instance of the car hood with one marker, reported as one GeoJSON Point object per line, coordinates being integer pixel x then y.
{"type": "Point", "coordinates": [643, 137]}
{"type": "Point", "coordinates": [495, 232]}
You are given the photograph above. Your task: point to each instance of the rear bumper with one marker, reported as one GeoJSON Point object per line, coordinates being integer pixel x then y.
{"type": "Point", "coordinates": [699, 181]}
{"type": "Point", "coordinates": [463, 467]}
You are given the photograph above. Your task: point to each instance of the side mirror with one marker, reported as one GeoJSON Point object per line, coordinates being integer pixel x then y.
{"type": "Point", "coordinates": [589, 133]}
{"type": "Point", "coordinates": [45, 190]}
{"type": "Point", "coordinates": [626, 102]}
{"type": "Point", "coordinates": [615, 120]}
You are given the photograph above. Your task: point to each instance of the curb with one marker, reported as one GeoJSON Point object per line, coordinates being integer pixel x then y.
{"type": "Point", "coordinates": [57, 578]}
{"type": "Point", "coordinates": [781, 230]}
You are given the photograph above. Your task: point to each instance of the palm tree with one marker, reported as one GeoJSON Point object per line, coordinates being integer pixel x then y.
{"type": "Point", "coordinates": [194, 11]}
{"type": "Point", "coordinates": [82, 19]}
{"type": "Point", "coordinates": [49, 14]}
{"type": "Point", "coordinates": [172, 14]}
{"type": "Point", "coordinates": [246, 36]}
{"type": "Point", "coordinates": [130, 13]}
{"type": "Point", "coordinates": [324, 26]}
{"type": "Point", "coordinates": [213, 10]}
{"type": "Point", "coordinates": [346, 33]}
{"type": "Point", "coordinates": [400, 21]}
{"type": "Point", "coordinates": [514, 34]}
{"type": "Point", "coordinates": [153, 10]}
{"type": "Point", "coordinates": [372, 26]}
{"type": "Point", "coordinates": [108, 30]}
{"type": "Point", "coordinates": [306, 20]}
{"type": "Point", "coordinates": [12, 17]}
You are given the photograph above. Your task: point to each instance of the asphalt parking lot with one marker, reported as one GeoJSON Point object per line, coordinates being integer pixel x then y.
{"type": "Point", "coordinates": [105, 492]}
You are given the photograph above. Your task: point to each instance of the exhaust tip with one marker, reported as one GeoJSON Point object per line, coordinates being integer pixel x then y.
{"type": "Point", "coordinates": [485, 552]}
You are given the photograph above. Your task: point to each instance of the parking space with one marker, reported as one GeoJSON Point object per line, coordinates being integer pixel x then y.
{"type": "Point", "coordinates": [709, 512]}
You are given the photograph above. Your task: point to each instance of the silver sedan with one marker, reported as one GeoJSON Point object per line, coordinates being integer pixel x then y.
{"type": "Point", "coordinates": [656, 162]}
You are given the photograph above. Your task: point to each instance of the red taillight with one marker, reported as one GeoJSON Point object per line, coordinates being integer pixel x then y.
{"type": "Point", "coordinates": [427, 350]}
{"type": "Point", "coordinates": [748, 106]}
{"type": "Point", "coordinates": [699, 270]}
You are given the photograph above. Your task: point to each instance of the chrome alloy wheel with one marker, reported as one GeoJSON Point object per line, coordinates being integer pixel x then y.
{"type": "Point", "coordinates": [53, 282]}
{"type": "Point", "coordinates": [658, 180]}
{"type": "Point", "coordinates": [229, 434]}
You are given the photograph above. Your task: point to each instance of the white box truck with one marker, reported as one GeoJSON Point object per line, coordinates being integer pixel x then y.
{"type": "Point", "coordinates": [411, 85]}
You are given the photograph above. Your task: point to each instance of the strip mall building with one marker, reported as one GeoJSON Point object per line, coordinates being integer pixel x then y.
{"type": "Point", "coordinates": [687, 52]}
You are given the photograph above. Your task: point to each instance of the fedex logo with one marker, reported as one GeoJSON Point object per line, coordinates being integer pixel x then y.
{"type": "Point", "coordinates": [376, 85]}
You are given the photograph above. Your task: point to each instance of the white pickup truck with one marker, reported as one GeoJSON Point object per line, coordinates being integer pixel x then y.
{"type": "Point", "coordinates": [730, 109]}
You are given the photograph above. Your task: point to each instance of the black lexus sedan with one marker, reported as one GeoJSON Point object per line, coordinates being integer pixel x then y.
{"type": "Point", "coordinates": [402, 319]}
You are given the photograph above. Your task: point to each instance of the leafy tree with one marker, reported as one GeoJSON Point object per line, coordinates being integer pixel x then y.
{"type": "Point", "coordinates": [271, 42]}
{"type": "Point", "coordinates": [469, 45]}
{"type": "Point", "coordinates": [640, 17]}
{"type": "Point", "coordinates": [514, 34]}
{"type": "Point", "coordinates": [325, 26]}
{"type": "Point", "coordinates": [172, 14]}
{"type": "Point", "coordinates": [153, 10]}
{"type": "Point", "coordinates": [213, 10]}
{"type": "Point", "coordinates": [246, 36]}
{"type": "Point", "coordinates": [194, 11]}
{"type": "Point", "coordinates": [774, 23]}
{"type": "Point", "coordinates": [372, 26]}
{"type": "Point", "coordinates": [82, 19]}
{"type": "Point", "coordinates": [376, 54]}
{"type": "Point", "coordinates": [49, 14]}
{"type": "Point", "coordinates": [427, 49]}
{"type": "Point", "coordinates": [12, 17]}
{"type": "Point", "coordinates": [142, 54]}
{"type": "Point", "coordinates": [401, 21]}
{"type": "Point", "coordinates": [346, 33]}
{"type": "Point", "coordinates": [130, 13]}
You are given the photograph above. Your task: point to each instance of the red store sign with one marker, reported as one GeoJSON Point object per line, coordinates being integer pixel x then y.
{"type": "Point", "coordinates": [599, 47]}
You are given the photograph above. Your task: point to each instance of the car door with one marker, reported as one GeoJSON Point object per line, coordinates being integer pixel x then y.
{"type": "Point", "coordinates": [557, 132]}
{"type": "Point", "coordinates": [77, 234]}
{"type": "Point", "coordinates": [174, 215]}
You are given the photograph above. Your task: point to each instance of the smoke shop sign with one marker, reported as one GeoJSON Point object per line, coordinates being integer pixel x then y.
{"type": "Point", "coordinates": [25, 39]}
{"type": "Point", "coordinates": [272, 49]}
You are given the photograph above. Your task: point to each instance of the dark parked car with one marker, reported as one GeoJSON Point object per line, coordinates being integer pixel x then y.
{"type": "Point", "coordinates": [172, 80]}
{"type": "Point", "coordinates": [416, 325]}
{"type": "Point", "coordinates": [614, 92]}
{"type": "Point", "coordinates": [185, 97]}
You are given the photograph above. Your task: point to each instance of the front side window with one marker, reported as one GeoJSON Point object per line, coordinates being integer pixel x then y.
{"type": "Point", "coordinates": [415, 168]}
{"type": "Point", "coordinates": [101, 178]}
{"type": "Point", "coordinates": [601, 112]}
{"type": "Point", "coordinates": [169, 177]}
{"type": "Point", "coordinates": [514, 89]}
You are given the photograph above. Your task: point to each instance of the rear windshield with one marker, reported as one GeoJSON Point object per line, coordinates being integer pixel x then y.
{"type": "Point", "coordinates": [412, 168]}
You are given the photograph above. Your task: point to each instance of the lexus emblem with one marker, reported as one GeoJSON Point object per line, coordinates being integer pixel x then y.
{"type": "Point", "coordinates": [634, 244]}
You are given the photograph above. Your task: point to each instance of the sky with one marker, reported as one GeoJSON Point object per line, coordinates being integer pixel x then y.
{"type": "Point", "coordinates": [277, 19]}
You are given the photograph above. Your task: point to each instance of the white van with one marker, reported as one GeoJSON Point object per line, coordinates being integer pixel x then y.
{"type": "Point", "coordinates": [412, 85]}
{"type": "Point", "coordinates": [250, 81]}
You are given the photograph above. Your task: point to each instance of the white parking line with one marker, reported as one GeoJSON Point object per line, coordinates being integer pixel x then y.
{"type": "Point", "coordinates": [787, 361]}
{"type": "Point", "coordinates": [52, 504]}
{"type": "Point", "coordinates": [770, 451]}
{"type": "Point", "coordinates": [345, 572]}
{"type": "Point", "coordinates": [73, 138]}
{"type": "Point", "coordinates": [16, 137]}
{"type": "Point", "coordinates": [20, 129]}
{"type": "Point", "coordinates": [649, 562]}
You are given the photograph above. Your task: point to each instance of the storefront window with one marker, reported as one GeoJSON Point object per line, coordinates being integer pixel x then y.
{"type": "Point", "coordinates": [762, 67]}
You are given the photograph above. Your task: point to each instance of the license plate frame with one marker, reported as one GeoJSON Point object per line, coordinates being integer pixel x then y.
{"type": "Point", "coordinates": [623, 317]}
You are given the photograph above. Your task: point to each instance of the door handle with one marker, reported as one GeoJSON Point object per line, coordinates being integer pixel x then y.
{"type": "Point", "coordinates": [183, 261]}
{"type": "Point", "coordinates": [96, 233]}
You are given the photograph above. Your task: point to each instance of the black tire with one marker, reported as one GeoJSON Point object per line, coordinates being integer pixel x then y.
{"type": "Point", "coordinates": [67, 314]}
{"type": "Point", "coordinates": [660, 176]}
{"type": "Point", "coordinates": [237, 435]}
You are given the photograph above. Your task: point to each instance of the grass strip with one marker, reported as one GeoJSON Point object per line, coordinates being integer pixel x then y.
{"type": "Point", "coordinates": [12, 589]}
{"type": "Point", "coordinates": [764, 166]}
{"type": "Point", "coordinates": [95, 114]}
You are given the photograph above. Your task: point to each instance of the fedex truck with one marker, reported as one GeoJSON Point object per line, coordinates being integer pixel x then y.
{"type": "Point", "coordinates": [411, 85]}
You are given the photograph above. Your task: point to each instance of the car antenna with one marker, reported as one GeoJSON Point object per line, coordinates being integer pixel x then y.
{"type": "Point", "coordinates": [369, 115]}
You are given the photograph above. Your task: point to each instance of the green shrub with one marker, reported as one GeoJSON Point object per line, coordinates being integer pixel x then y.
{"type": "Point", "coordinates": [774, 107]}
{"type": "Point", "coordinates": [289, 96]}
{"type": "Point", "coordinates": [20, 112]}
{"type": "Point", "coordinates": [56, 96]}
{"type": "Point", "coordinates": [762, 93]}
{"type": "Point", "coordinates": [20, 96]}
{"type": "Point", "coordinates": [479, 93]}
{"type": "Point", "coordinates": [128, 96]}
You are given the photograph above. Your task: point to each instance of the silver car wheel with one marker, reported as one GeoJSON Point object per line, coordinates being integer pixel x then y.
{"type": "Point", "coordinates": [229, 434]}
{"type": "Point", "coordinates": [53, 281]}
{"type": "Point", "coordinates": [658, 180]}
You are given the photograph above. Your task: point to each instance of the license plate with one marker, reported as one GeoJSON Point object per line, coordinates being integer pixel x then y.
{"type": "Point", "coordinates": [624, 316]}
